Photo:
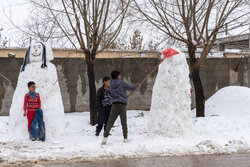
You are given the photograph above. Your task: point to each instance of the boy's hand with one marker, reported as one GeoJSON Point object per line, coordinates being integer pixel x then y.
{"type": "Point", "coordinates": [139, 85]}
{"type": "Point", "coordinates": [24, 113]}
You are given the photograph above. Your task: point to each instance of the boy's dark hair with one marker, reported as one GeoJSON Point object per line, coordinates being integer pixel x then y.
{"type": "Point", "coordinates": [106, 79]}
{"type": "Point", "coordinates": [31, 83]}
{"type": "Point", "coordinates": [115, 74]}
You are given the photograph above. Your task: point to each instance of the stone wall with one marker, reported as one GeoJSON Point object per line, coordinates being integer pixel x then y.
{"type": "Point", "coordinates": [216, 73]}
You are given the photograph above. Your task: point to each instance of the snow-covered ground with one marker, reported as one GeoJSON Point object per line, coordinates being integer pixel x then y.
{"type": "Point", "coordinates": [225, 129]}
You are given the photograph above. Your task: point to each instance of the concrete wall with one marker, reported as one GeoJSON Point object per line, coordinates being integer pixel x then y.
{"type": "Point", "coordinates": [74, 83]}
{"type": "Point", "coordinates": [220, 72]}
{"type": "Point", "coordinates": [216, 73]}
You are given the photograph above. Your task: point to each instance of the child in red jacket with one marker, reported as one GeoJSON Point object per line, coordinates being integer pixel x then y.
{"type": "Point", "coordinates": [32, 102]}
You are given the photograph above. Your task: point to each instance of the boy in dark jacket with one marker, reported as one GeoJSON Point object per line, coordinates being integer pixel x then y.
{"type": "Point", "coordinates": [118, 91]}
{"type": "Point", "coordinates": [103, 105]}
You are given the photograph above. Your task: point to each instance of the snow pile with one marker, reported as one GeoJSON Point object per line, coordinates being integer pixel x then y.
{"type": "Point", "coordinates": [231, 100]}
{"type": "Point", "coordinates": [47, 86]}
{"type": "Point", "coordinates": [227, 117]}
{"type": "Point", "coordinates": [170, 113]}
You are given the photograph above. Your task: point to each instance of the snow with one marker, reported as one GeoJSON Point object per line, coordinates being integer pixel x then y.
{"type": "Point", "coordinates": [212, 54]}
{"type": "Point", "coordinates": [216, 55]}
{"type": "Point", "coordinates": [227, 117]}
{"type": "Point", "coordinates": [233, 101]}
{"type": "Point", "coordinates": [170, 107]}
{"type": "Point", "coordinates": [48, 88]}
{"type": "Point", "coordinates": [223, 131]}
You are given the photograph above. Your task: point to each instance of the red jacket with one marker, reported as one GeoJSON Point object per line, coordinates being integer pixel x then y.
{"type": "Point", "coordinates": [31, 104]}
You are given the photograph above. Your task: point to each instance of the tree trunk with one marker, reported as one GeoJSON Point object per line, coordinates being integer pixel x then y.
{"type": "Point", "coordinates": [92, 90]}
{"type": "Point", "coordinates": [199, 94]}
{"type": "Point", "coordinates": [195, 72]}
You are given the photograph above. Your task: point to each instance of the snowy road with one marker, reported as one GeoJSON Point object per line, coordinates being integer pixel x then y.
{"type": "Point", "coordinates": [239, 160]}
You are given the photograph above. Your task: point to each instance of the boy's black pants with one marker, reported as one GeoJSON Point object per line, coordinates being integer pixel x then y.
{"type": "Point", "coordinates": [103, 116]}
{"type": "Point", "coordinates": [117, 109]}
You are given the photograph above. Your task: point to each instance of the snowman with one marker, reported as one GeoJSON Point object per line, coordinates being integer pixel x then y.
{"type": "Point", "coordinates": [170, 112]}
{"type": "Point", "coordinates": [38, 68]}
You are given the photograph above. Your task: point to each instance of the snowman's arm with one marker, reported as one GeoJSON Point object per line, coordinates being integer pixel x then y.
{"type": "Point", "coordinates": [39, 101]}
{"type": "Point", "coordinates": [25, 103]}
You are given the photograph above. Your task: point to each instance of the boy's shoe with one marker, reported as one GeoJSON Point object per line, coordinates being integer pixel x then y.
{"type": "Point", "coordinates": [32, 138]}
{"type": "Point", "coordinates": [125, 140]}
{"type": "Point", "coordinates": [97, 133]}
{"type": "Point", "coordinates": [104, 141]}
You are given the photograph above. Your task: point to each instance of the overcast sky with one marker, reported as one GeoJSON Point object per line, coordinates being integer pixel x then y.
{"type": "Point", "coordinates": [18, 10]}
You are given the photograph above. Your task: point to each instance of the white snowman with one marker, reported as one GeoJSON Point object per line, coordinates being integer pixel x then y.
{"type": "Point", "coordinates": [170, 112]}
{"type": "Point", "coordinates": [38, 68]}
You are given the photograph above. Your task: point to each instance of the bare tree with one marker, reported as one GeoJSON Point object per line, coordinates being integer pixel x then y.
{"type": "Point", "coordinates": [3, 40]}
{"type": "Point", "coordinates": [40, 26]}
{"type": "Point", "coordinates": [134, 43]}
{"type": "Point", "coordinates": [195, 23]}
{"type": "Point", "coordinates": [136, 40]}
{"type": "Point", "coordinates": [89, 21]}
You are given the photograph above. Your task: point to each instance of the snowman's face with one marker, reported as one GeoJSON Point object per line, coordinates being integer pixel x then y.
{"type": "Point", "coordinates": [36, 51]}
